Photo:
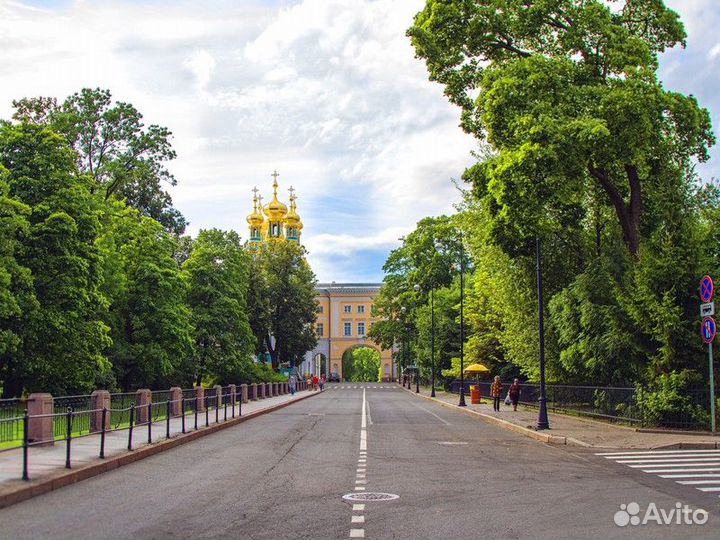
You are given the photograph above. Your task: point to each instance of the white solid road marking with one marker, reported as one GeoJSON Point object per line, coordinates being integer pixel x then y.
{"type": "Point", "coordinates": [361, 481]}
{"type": "Point", "coordinates": [357, 533]}
{"type": "Point", "coordinates": [704, 464]}
{"type": "Point", "coordinates": [684, 459]}
{"type": "Point", "coordinates": [358, 507]}
{"type": "Point", "coordinates": [359, 488]}
{"type": "Point", "coordinates": [655, 452]}
{"type": "Point", "coordinates": [358, 519]}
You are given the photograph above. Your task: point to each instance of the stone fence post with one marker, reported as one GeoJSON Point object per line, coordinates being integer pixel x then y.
{"type": "Point", "coordinates": [40, 429]}
{"type": "Point", "coordinates": [99, 400]}
{"type": "Point", "coordinates": [244, 392]}
{"type": "Point", "coordinates": [233, 398]}
{"type": "Point", "coordinates": [200, 397]}
{"type": "Point", "coordinates": [175, 401]}
{"type": "Point", "coordinates": [143, 400]}
{"type": "Point", "coordinates": [253, 391]}
{"type": "Point", "coordinates": [218, 391]}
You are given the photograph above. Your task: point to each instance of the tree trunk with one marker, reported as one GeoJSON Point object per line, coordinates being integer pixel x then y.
{"type": "Point", "coordinates": [628, 214]}
{"type": "Point", "coordinates": [273, 351]}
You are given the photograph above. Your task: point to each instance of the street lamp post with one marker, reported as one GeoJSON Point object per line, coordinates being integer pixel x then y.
{"type": "Point", "coordinates": [542, 422]}
{"type": "Point", "coordinates": [432, 341]}
{"type": "Point", "coordinates": [462, 323]}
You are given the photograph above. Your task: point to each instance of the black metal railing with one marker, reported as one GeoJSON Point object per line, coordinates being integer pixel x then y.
{"type": "Point", "coordinates": [73, 417]}
{"type": "Point", "coordinates": [609, 403]}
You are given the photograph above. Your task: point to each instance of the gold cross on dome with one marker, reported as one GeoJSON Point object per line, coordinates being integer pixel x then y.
{"type": "Point", "coordinates": [292, 192]}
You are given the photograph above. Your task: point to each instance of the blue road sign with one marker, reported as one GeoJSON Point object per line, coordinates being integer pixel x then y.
{"type": "Point", "coordinates": [708, 329]}
{"type": "Point", "coordinates": [707, 289]}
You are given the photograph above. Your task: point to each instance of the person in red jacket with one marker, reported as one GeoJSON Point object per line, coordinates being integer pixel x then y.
{"type": "Point", "coordinates": [514, 394]}
{"type": "Point", "coordinates": [315, 381]}
{"type": "Point", "coordinates": [496, 393]}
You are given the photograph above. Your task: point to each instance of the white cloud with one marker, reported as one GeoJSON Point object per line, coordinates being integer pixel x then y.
{"type": "Point", "coordinates": [326, 91]}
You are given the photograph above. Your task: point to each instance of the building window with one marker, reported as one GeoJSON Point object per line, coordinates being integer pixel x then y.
{"type": "Point", "coordinates": [361, 329]}
{"type": "Point", "coordinates": [348, 309]}
{"type": "Point", "coordinates": [361, 309]}
{"type": "Point", "coordinates": [320, 329]}
{"type": "Point", "coordinates": [348, 329]}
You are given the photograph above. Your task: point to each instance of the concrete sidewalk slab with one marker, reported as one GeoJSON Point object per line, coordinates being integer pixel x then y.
{"type": "Point", "coordinates": [572, 430]}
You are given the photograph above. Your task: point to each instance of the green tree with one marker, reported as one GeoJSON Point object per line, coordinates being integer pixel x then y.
{"type": "Point", "coordinates": [16, 287]}
{"type": "Point", "coordinates": [362, 364]}
{"type": "Point", "coordinates": [62, 341]}
{"type": "Point", "coordinates": [284, 281]}
{"type": "Point", "coordinates": [125, 158]}
{"type": "Point", "coordinates": [567, 92]}
{"type": "Point", "coordinates": [149, 319]}
{"type": "Point", "coordinates": [218, 273]}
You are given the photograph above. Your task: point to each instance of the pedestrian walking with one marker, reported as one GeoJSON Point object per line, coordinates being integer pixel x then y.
{"type": "Point", "coordinates": [292, 383]}
{"type": "Point", "coordinates": [315, 382]}
{"type": "Point", "coordinates": [322, 382]}
{"type": "Point", "coordinates": [514, 394]}
{"type": "Point", "coordinates": [496, 393]}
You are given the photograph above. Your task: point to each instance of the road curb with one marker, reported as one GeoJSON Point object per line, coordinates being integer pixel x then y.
{"type": "Point", "coordinates": [543, 437]}
{"type": "Point", "coordinates": [65, 477]}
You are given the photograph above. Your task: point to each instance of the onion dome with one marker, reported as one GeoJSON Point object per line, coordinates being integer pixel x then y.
{"type": "Point", "coordinates": [256, 218]}
{"type": "Point", "coordinates": [275, 210]}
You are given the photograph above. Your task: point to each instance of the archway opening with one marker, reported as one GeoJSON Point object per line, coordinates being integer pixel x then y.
{"type": "Point", "coordinates": [361, 364]}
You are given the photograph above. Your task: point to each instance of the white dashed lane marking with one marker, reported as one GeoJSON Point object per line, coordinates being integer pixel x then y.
{"type": "Point", "coordinates": [702, 466]}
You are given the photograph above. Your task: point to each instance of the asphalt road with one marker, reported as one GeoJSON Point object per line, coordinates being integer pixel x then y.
{"type": "Point", "coordinates": [283, 475]}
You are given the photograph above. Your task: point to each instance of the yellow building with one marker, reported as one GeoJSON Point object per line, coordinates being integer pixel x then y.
{"type": "Point", "coordinates": [343, 321]}
{"type": "Point", "coordinates": [344, 309]}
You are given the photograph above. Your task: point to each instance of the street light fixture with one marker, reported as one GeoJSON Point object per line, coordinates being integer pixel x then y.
{"type": "Point", "coordinates": [542, 422]}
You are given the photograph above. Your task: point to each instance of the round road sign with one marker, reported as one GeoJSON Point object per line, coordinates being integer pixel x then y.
{"type": "Point", "coordinates": [707, 289]}
{"type": "Point", "coordinates": [708, 329]}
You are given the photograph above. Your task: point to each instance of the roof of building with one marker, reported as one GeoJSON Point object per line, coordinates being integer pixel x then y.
{"type": "Point", "coordinates": [347, 288]}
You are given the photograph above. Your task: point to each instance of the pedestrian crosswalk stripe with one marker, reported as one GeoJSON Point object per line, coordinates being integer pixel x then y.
{"type": "Point", "coordinates": [656, 452]}
{"type": "Point", "coordinates": [703, 466]}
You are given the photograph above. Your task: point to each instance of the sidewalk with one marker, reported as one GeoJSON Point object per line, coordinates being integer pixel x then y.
{"type": "Point", "coordinates": [573, 430]}
{"type": "Point", "coordinates": [46, 463]}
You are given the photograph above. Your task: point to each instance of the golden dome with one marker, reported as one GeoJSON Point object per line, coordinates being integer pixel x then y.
{"type": "Point", "coordinates": [275, 210]}
{"type": "Point", "coordinates": [255, 219]}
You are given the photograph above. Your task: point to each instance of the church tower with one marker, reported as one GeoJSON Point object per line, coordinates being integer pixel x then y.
{"type": "Point", "coordinates": [274, 221]}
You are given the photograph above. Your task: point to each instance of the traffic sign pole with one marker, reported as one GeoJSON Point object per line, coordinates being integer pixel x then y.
{"type": "Point", "coordinates": [712, 388]}
{"type": "Point", "coordinates": [707, 330]}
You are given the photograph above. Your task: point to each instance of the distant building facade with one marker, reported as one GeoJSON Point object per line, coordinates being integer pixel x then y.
{"type": "Point", "coordinates": [344, 309]}
{"type": "Point", "coordinates": [343, 322]}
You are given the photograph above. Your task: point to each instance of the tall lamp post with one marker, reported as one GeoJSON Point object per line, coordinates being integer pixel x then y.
{"type": "Point", "coordinates": [542, 422]}
{"type": "Point", "coordinates": [432, 340]}
{"type": "Point", "coordinates": [416, 288]}
{"type": "Point", "coordinates": [462, 323]}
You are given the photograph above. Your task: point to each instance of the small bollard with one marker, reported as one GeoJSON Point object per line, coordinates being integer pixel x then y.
{"type": "Point", "coordinates": [167, 419]}
{"type": "Point", "coordinates": [149, 421]}
{"type": "Point", "coordinates": [130, 429]}
{"type": "Point", "coordinates": [68, 437]}
{"type": "Point", "coordinates": [25, 446]}
{"type": "Point", "coordinates": [102, 433]}
{"type": "Point", "coordinates": [195, 406]}
{"type": "Point", "coordinates": [182, 418]}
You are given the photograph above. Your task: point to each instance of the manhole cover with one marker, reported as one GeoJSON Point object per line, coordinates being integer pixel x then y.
{"type": "Point", "coordinates": [365, 497]}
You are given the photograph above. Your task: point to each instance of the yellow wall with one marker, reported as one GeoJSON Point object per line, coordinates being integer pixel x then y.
{"type": "Point", "coordinates": [333, 318]}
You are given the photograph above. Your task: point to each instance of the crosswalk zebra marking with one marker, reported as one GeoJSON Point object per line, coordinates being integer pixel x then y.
{"type": "Point", "coordinates": [678, 465]}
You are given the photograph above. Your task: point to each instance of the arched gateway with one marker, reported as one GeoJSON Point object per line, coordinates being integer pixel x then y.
{"type": "Point", "coordinates": [343, 321]}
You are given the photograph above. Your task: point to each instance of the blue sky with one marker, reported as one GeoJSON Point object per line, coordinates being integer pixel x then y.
{"type": "Point", "coordinates": [327, 92]}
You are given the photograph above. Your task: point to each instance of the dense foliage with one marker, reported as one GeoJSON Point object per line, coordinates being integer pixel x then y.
{"type": "Point", "coordinates": [97, 287]}
{"type": "Point", "coordinates": [583, 147]}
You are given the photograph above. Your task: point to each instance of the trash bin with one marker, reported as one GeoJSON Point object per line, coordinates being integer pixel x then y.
{"type": "Point", "coordinates": [475, 394]}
